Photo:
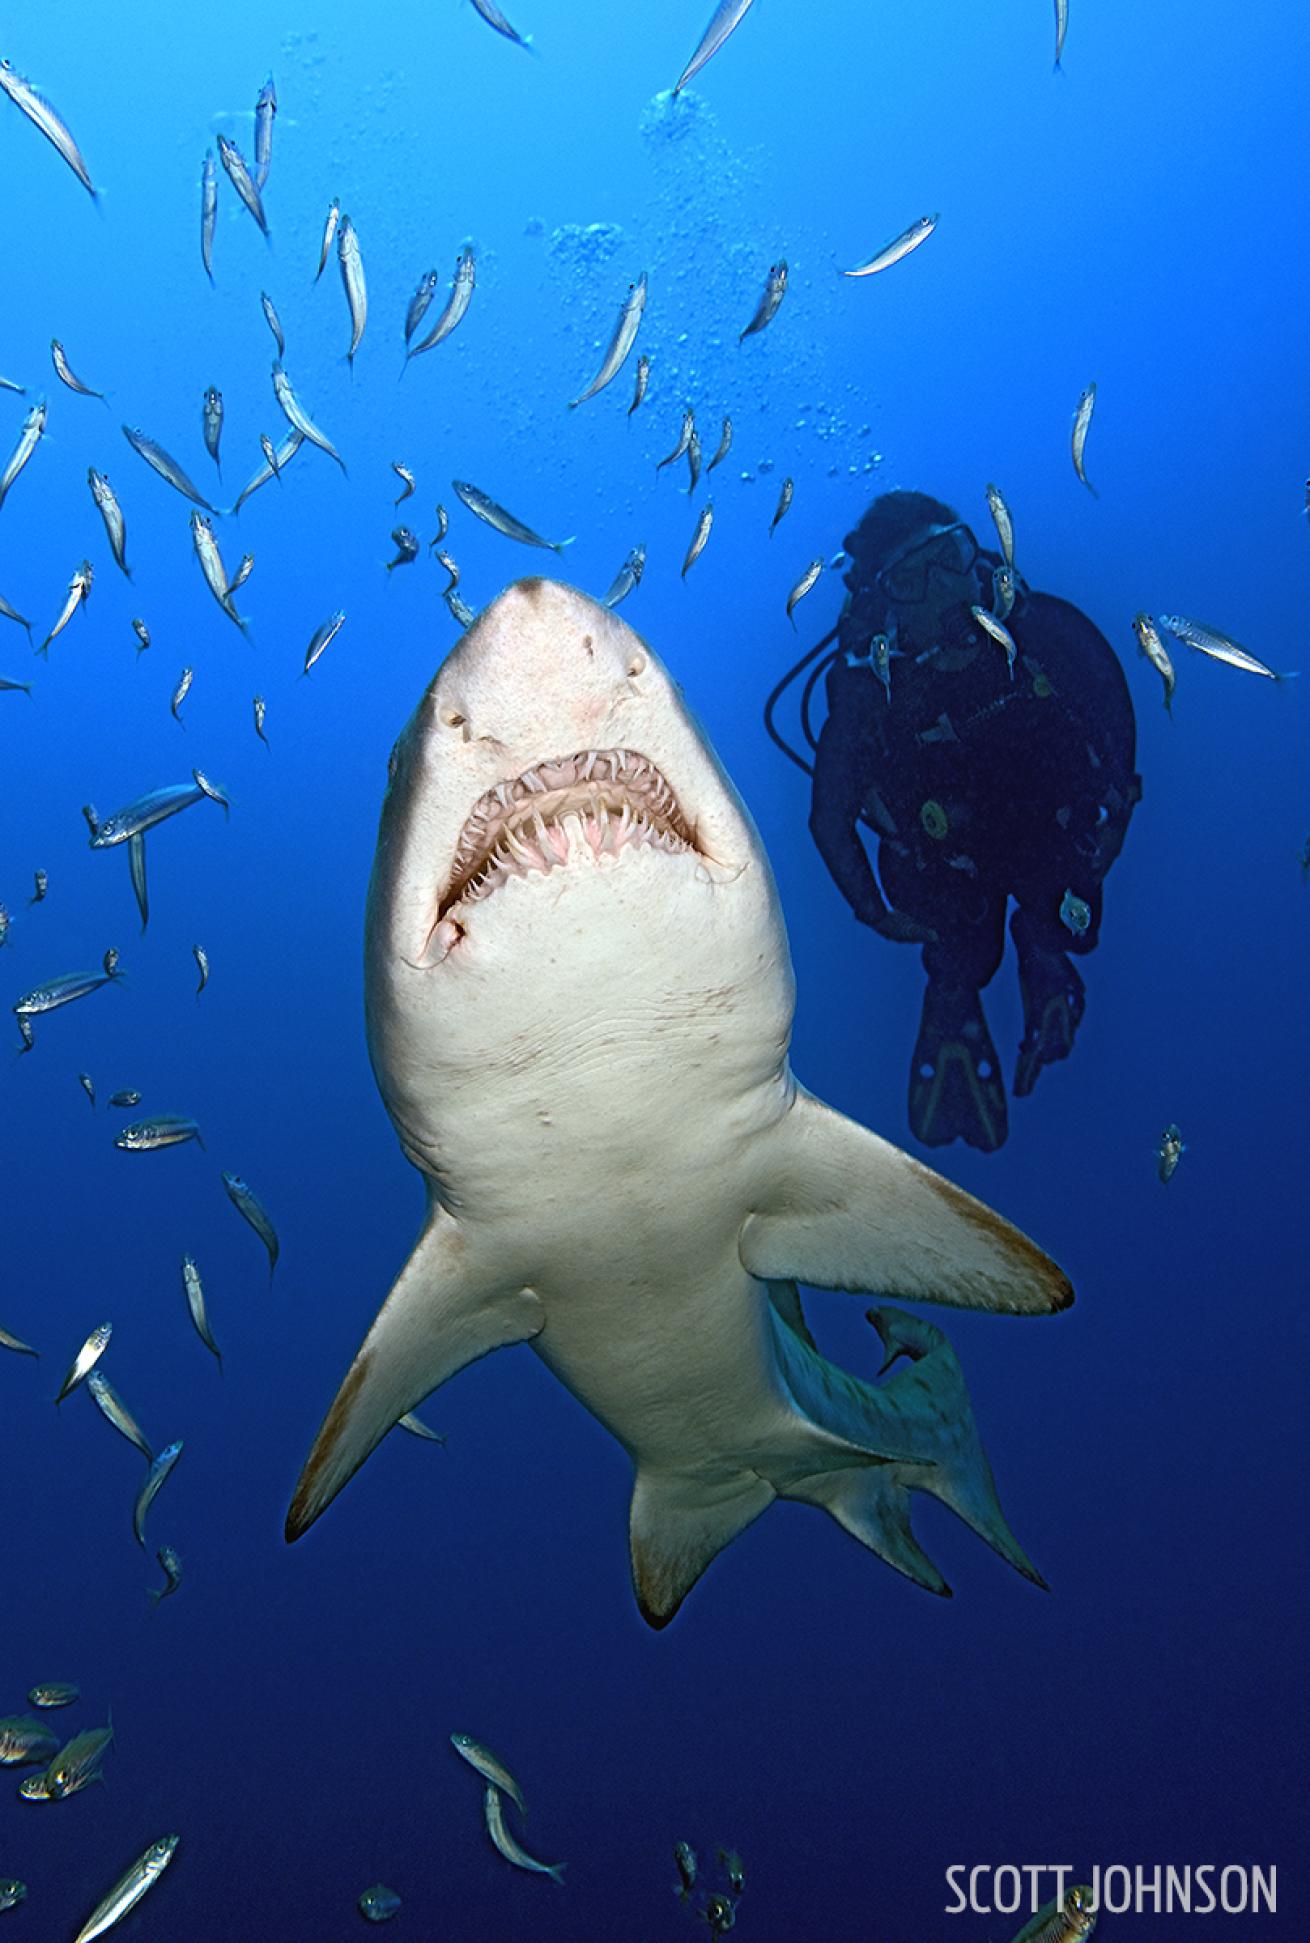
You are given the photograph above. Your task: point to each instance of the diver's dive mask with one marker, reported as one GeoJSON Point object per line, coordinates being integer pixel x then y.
{"type": "Point", "coordinates": [905, 577]}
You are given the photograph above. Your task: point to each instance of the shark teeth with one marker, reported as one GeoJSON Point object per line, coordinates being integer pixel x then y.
{"type": "Point", "coordinates": [607, 799]}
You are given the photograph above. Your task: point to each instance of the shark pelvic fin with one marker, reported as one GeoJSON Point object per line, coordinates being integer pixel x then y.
{"type": "Point", "coordinates": [678, 1523]}
{"type": "Point", "coordinates": [846, 1210]}
{"type": "Point", "coordinates": [437, 1319]}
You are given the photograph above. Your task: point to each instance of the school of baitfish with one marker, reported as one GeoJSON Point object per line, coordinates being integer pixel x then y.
{"type": "Point", "coordinates": [68, 1768]}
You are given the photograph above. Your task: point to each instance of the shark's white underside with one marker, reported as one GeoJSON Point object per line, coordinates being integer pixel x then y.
{"type": "Point", "coordinates": [585, 1054]}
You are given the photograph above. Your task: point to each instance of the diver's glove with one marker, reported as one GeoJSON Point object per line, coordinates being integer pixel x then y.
{"type": "Point", "coordinates": [900, 928]}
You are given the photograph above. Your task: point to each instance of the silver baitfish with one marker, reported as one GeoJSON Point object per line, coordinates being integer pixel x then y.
{"type": "Point", "coordinates": [628, 577]}
{"type": "Point", "coordinates": [1150, 644]}
{"type": "Point", "coordinates": [724, 446]}
{"type": "Point", "coordinates": [265, 115]}
{"type": "Point", "coordinates": [65, 372]}
{"type": "Point", "coordinates": [273, 321]}
{"type": "Point", "coordinates": [352, 279]}
{"type": "Point", "coordinates": [50, 122]}
{"type": "Point", "coordinates": [260, 709]}
{"type": "Point", "coordinates": [160, 1130]}
{"type": "Point", "coordinates": [726, 18]}
{"type": "Point", "coordinates": [142, 633]}
{"type": "Point", "coordinates": [1003, 522]}
{"type": "Point", "coordinates": [166, 466]}
{"type": "Point", "coordinates": [456, 305]}
{"type": "Point", "coordinates": [1003, 591]}
{"type": "Point", "coordinates": [999, 633]}
{"type": "Point", "coordinates": [699, 537]}
{"type": "Point", "coordinates": [802, 588]}
{"type": "Point", "coordinates": [180, 694]}
{"type": "Point", "coordinates": [505, 1844]}
{"type": "Point", "coordinates": [406, 479]}
{"type": "Point", "coordinates": [684, 440]}
{"type": "Point", "coordinates": [1082, 420]}
{"type": "Point", "coordinates": [86, 1359]}
{"type": "Point", "coordinates": [1169, 1152]}
{"type": "Point", "coordinates": [248, 1205]}
{"type": "Point", "coordinates": [1075, 914]}
{"type": "Point", "coordinates": [171, 1567]}
{"type": "Point", "coordinates": [154, 1480]}
{"type": "Point", "coordinates": [195, 1301]}
{"type": "Point", "coordinates": [324, 636]}
{"type": "Point", "coordinates": [495, 516]}
{"type": "Point", "coordinates": [62, 991]}
{"type": "Point", "coordinates": [245, 567]}
{"type": "Point", "coordinates": [775, 289]}
{"type": "Point", "coordinates": [40, 886]}
{"type": "Point", "coordinates": [378, 1904]}
{"type": "Point", "coordinates": [115, 1412]}
{"type": "Point", "coordinates": [201, 957]}
{"type": "Point", "coordinates": [144, 812]}
{"type": "Point", "coordinates": [405, 541]}
{"type": "Point", "coordinates": [420, 301]}
{"type": "Point", "coordinates": [242, 181]}
{"type": "Point", "coordinates": [784, 503]}
{"type": "Point", "coordinates": [290, 445]}
{"type": "Point", "coordinates": [111, 513]}
{"type": "Point", "coordinates": [329, 236]}
{"type": "Point", "coordinates": [33, 429]}
{"type": "Point", "coordinates": [900, 246]}
{"type": "Point", "coordinates": [128, 1096]}
{"type": "Point", "coordinates": [208, 212]}
{"type": "Point", "coordinates": [490, 1767]}
{"type": "Point", "coordinates": [621, 342]}
{"type": "Point", "coordinates": [298, 419]}
{"type": "Point", "coordinates": [211, 565]}
{"type": "Point", "coordinates": [87, 1085]}
{"type": "Point", "coordinates": [643, 380]}
{"type": "Point", "coordinates": [79, 592]}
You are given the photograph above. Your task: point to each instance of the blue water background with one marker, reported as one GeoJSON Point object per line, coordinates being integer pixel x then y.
{"type": "Point", "coordinates": [1139, 221]}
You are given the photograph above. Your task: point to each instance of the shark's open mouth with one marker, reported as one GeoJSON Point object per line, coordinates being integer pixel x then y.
{"type": "Point", "coordinates": [608, 799]}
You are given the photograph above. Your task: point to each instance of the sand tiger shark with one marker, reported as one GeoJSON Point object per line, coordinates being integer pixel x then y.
{"type": "Point", "coordinates": [579, 1000]}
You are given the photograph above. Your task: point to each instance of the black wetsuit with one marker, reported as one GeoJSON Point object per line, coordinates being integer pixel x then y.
{"type": "Point", "coordinates": [982, 789]}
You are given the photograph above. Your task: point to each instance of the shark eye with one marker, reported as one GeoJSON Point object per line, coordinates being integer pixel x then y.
{"type": "Point", "coordinates": [637, 665]}
{"type": "Point", "coordinates": [452, 718]}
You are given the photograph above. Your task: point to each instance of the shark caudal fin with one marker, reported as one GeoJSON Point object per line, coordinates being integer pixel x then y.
{"type": "Point", "coordinates": [846, 1210]}
{"type": "Point", "coordinates": [437, 1319]}
{"type": "Point", "coordinates": [678, 1524]}
{"type": "Point", "coordinates": [922, 1407]}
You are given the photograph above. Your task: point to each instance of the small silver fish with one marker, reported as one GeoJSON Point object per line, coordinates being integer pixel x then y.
{"type": "Point", "coordinates": [40, 886]}
{"type": "Point", "coordinates": [899, 247]}
{"type": "Point", "coordinates": [87, 1085]}
{"type": "Point", "coordinates": [51, 124]}
{"type": "Point", "coordinates": [116, 1412]}
{"type": "Point", "coordinates": [329, 234]}
{"type": "Point", "coordinates": [111, 513]}
{"type": "Point", "coordinates": [211, 421]}
{"type": "Point", "coordinates": [79, 591]}
{"type": "Point", "coordinates": [1075, 914]}
{"type": "Point", "coordinates": [456, 305]}
{"type": "Point", "coordinates": [445, 560]}
{"type": "Point", "coordinates": [180, 694]}
{"type": "Point", "coordinates": [201, 957]}
{"type": "Point", "coordinates": [491, 13]}
{"type": "Point", "coordinates": [496, 517]}
{"type": "Point", "coordinates": [405, 540]}
{"type": "Point", "coordinates": [64, 371]}
{"type": "Point", "coordinates": [127, 1096]}
{"type": "Point", "coordinates": [775, 289]}
{"type": "Point", "coordinates": [205, 541]}
{"type": "Point", "coordinates": [324, 636]}
{"type": "Point", "coordinates": [260, 708]}
{"type": "Point", "coordinates": [693, 461]}
{"type": "Point", "coordinates": [490, 1767]}
{"type": "Point", "coordinates": [136, 870]}
{"type": "Point", "coordinates": [208, 212]}
{"type": "Point", "coordinates": [9, 613]}
{"type": "Point", "coordinates": [23, 1738]}
{"type": "Point", "coordinates": [621, 342]}
{"type": "Point", "coordinates": [1081, 423]}
{"type": "Point", "coordinates": [111, 962]}
{"type": "Point", "coordinates": [79, 1763]}
{"type": "Point", "coordinates": [1219, 647]}
{"type": "Point", "coordinates": [16, 1343]}
{"type": "Point", "coordinates": [62, 991]}
{"type": "Point", "coordinates": [1169, 1152]}
{"type": "Point", "coordinates": [33, 430]}
{"type": "Point", "coordinates": [34, 1788]}
{"type": "Point", "coordinates": [802, 588]}
{"type": "Point", "coordinates": [420, 302]}
{"type": "Point", "coordinates": [195, 1300]}
{"type": "Point", "coordinates": [784, 502]}
{"type": "Point", "coordinates": [271, 459]}
{"type": "Point", "coordinates": [298, 419]}
{"type": "Point", "coordinates": [999, 633]}
{"type": "Point", "coordinates": [290, 445]}
{"type": "Point", "coordinates": [731, 1864]}
{"type": "Point", "coordinates": [459, 608]}
{"type": "Point", "coordinates": [1000, 513]}
{"type": "Point", "coordinates": [725, 446]}
{"type": "Point", "coordinates": [154, 1480]}
{"type": "Point", "coordinates": [166, 466]}
{"type": "Point", "coordinates": [1061, 29]}
{"type": "Point", "coordinates": [493, 1808]}
{"type": "Point", "coordinates": [86, 1359]}
{"type": "Point", "coordinates": [54, 1693]}
{"type": "Point", "coordinates": [726, 18]}
{"type": "Point", "coordinates": [378, 1904]}
{"type": "Point", "coordinates": [249, 1206]}
{"type": "Point", "coordinates": [171, 1567]}
{"type": "Point", "coordinates": [242, 181]}
{"type": "Point", "coordinates": [352, 278]}
{"type": "Point", "coordinates": [1003, 591]}
{"type": "Point", "coordinates": [1150, 644]}
{"type": "Point", "coordinates": [699, 537]}
{"type": "Point", "coordinates": [684, 1860]}
{"type": "Point", "coordinates": [245, 568]}
{"type": "Point", "coordinates": [643, 380]}
{"type": "Point", "coordinates": [406, 479]}
{"type": "Point", "coordinates": [684, 440]}
{"type": "Point", "coordinates": [628, 577]}
{"type": "Point", "coordinates": [160, 1130]}
{"type": "Point", "coordinates": [265, 115]}
{"type": "Point", "coordinates": [273, 321]}
{"type": "Point", "coordinates": [443, 523]}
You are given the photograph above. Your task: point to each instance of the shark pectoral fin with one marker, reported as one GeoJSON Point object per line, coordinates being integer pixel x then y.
{"type": "Point", "coordinates": [437, 1319]}
{"type": "Point", "coordinates": [679, 1522]}
{"type": "Point", "coordinates": [847, 1210]}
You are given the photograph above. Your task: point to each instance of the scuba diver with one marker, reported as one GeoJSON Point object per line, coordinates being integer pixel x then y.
{"type": "Point", "coordinates": [990, 765]}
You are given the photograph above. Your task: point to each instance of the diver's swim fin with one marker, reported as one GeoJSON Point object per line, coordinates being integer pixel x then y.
{"type": "Point", "coordinates": [1053, 1002]}
{"type": "Point", "coordinates": [956, 1089]}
